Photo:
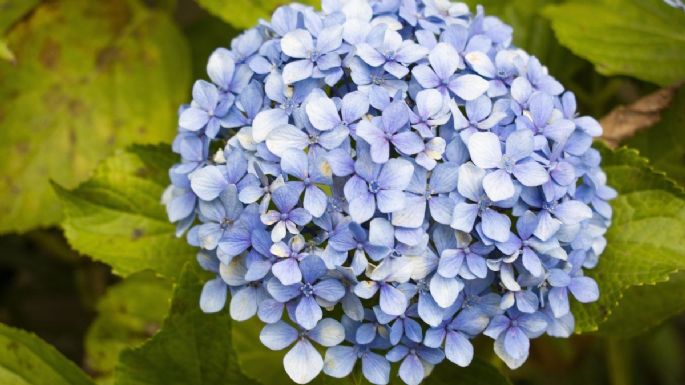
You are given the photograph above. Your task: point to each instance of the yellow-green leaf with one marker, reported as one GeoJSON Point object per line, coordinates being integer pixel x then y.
{"type": "Point", "coordinates": [192, 348]}
{"type": "Point", "coordinates": [131, 312]}
{"type": "Point", "coordinates": [13, 10]}
{"type": "Point", "coordinates": [245, 14]}
{"type": "Point", "coordinates": [5, 52]}
{"type": "Point", "coordinates": [640, 38]}
{"type": "Point", "coordinates": [646, 241]}
{"type": "Point", "coordinates": [116, 216]}
{"type": "Point", "coordinates": [27, 360]}
{"type": "Point", "coordinates": [90, 76]}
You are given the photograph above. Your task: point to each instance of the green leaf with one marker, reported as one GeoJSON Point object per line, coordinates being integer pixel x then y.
{"type": "Point", "coordinates": [664, 143]}
{"type": "Point", "coordinates": [644, 307]}
{"type": "Point", "coordinates": [477, 373]}
{"type": "Point", "coordinates": [27, 360]}
{"type": "Point", "coordinates": [130, 313]}
{"type": "Point", "coordinates": [116, 216]}
{"type": "Point", "coordinates": [646, 241]}
{"type": "Point", "coordinates": [5, 52]}
{"type": "Point", "coordinates": [639, 38]}
{"type": "Point", "coordinates": [13, 10]}
{"type": "Point", "coordinates": [192, 348]}
{"type": "Point", "coordinates": [245, 14]}
{"type": "Point", "coordinates": [256, 360]}
{"type": "Point", "coordinates": [69, 101]}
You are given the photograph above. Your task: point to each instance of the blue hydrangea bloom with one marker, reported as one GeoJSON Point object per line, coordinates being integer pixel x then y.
{"type": "Point", "coordinates": [380, 182]}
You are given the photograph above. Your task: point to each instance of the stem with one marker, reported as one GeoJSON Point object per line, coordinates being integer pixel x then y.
{"type": "Point", "coordinates": [619, 372]}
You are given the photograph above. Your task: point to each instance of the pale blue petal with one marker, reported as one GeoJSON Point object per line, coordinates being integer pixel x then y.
{"type": "Point", "coordinates": [458, 349]}
{"type": "Point", "coordinates": [243, 304]}
{"type": "Point", "coordinates": [376, 369]}
{"type": "Point", "coordinates": [208, 182]}
{"type": "Point", "coordinates": [370, 55]}
{"type": "Point", "coordinates": [531, 173]}
{"type": "Point", "coordinates": [390, 200]}
{"type": "Point", "coordinates": [412, 215]}
{"type": "Point", "coordinates": [499, 186]}
{"type": "Point", "coordinates": [445, 60]}
{"type": "Point", "coordinates": [481, 64]}
{"type": "Point", "coordinates": [295, 162]}
{"type": "Point", "coordinates": [308, 312]}
{"type": "Point", "coordinates": [221, 67]}
{"type": "Point", "coordinates": [429, 311]}
{"type": "Point", "coordinates": [315, 200]}
{"type": "Point", "coordinates": [485, 150]}
{"type": "Point", "coordinates": [470, 182]}
{"type": "Point", "coordinates": [354, 106]}
{"type": "Point", "coordinates": [322, 113]}
{"type": "Point", "coordinates": [392, 300]}
{"type": "Point", "coordinates": [496, 226]}
{"type": "Point", "coordinates": [425, 76]}
{"type": "Point", "coordinates": [411, 370]}
{"type": "Point", "coordinates": [297, 70]}
{"type": "Point", "coordinates": [266, 121]}
{"type": "Point", "coordinates": [408, 142]}
{"type": "Point", "coordinates": [287, 271]}
{"type": "Point", "coordinates": [469, 87]}
{"type": "Point", "coordinates": [412, 330]}
{"type": "Point", "coordinates": [213, 296]}
{"type": "Point", "coordinates": [558, 301]}
{"type": "Point", "coordinates": [278, 336]}
{"type": "Point", "coordinates": [270, 311]}
{"type": "Point", "coordinates": [286, 137]}
{"type": "Point", "coordinates": [571, 212]}
{"type": "Point", "coordinates": [445, 290]}
{"type": "Point", "coordinates": [516, 343]}
{"type": "Point", "coordinates": [303, 363]}
{"type": "Point", "coordinates": [339, 361]}
{"type": "Point", "coordinates": [329, 289]}
{"type": "Point", "coordinates": [297, 44]}
{"type": "Point", "coordinates": [193, 119]}
{"type": "Point", "coordinates": [464, 216]}
{"type": "Point", "coordinates": [585, 289]}
{"type": "Point", "coordinates": [395, 174]}
{"type": "Point", "coordinates": [328, 332]}
{"type": "Point", "coordinates": [441, 208]}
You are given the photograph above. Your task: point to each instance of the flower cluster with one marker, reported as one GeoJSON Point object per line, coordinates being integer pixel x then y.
{"type": "Point", "coordinates": [387, 180]}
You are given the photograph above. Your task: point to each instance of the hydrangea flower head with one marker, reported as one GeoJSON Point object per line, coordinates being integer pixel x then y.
{"type": "Point", "coordinates": [387, 180]}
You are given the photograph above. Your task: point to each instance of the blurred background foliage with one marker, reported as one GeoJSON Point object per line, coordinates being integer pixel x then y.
{"type": "Point", "coordinates": [90, 265]}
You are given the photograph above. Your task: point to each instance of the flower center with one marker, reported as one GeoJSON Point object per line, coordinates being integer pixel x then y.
{"type": "Point", "coordinates": [374, 187]}
{"type": "Point", "coordinates": [226, 223]}
{"type": "Point", "coordinates": [307, 289]}
{"type": "Point", "coordinates": [508, 163]}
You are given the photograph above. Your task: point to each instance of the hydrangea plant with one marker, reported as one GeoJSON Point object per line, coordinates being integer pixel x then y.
{"type": "Point", "coordinates": [383, 181]}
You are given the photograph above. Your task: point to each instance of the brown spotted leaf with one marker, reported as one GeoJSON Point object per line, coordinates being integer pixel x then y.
{"type": "Point", "coordinates": [89, 76]}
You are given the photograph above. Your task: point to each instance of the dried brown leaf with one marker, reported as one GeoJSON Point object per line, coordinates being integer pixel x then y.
{"type": "Point", "coordinates": [625, 121]}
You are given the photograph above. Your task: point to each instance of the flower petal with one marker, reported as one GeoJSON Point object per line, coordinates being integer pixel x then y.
{"type": "Point", "coordinates": [303, 363]}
